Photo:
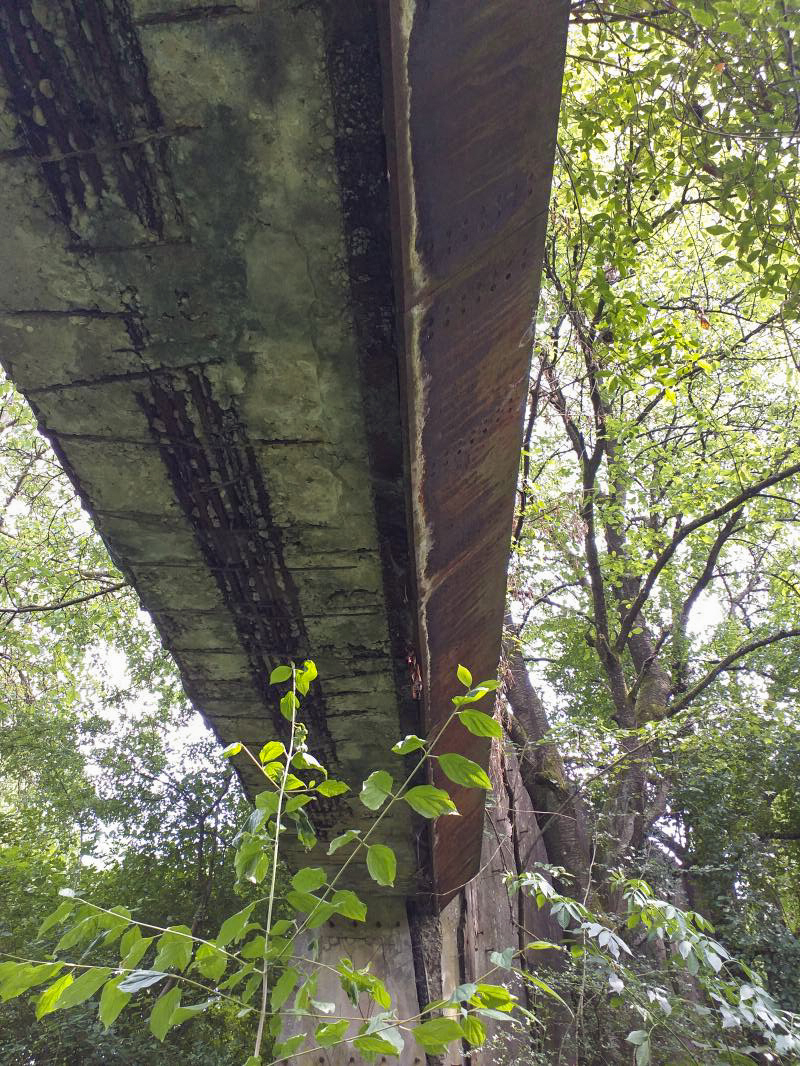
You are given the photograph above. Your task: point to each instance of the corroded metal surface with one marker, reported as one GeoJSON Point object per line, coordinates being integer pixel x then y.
{"type": "Point", "coordinates": [268, 276]}
{"type": "Point", "coordinates": [476, 89]}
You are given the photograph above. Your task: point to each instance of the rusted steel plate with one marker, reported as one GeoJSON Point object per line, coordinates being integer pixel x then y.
{"type": "Point", "coordinates": [474, 93]}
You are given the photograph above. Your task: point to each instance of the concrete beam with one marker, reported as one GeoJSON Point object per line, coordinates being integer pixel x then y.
{"type": "Point", "coordinates": [269, 272]}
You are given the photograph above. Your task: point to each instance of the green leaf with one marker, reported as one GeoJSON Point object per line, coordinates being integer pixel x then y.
{"type": "Point", "coordinates": [161, 1016]}
{"type": "Point", "coordinates": [83, 987]}
{"type": "Point", "coordinates": [82, 930]}
{"type": "Point", "coordinates": [267, 801]}
{"type": "Point", "coordinates": [430, 802]}
{"type": "Point", "coordinates": [112, 1001]}
{"type": "Point", "coordinates": [349, 905]}
{"type": "Point", "coordinates": [408, 744]}
{"type": "Point", "coordinates": [548, 991]}
{"type": "Point", "coordinates": [342, 839]}
{"type": "Point", "coordinates": [436, 1034]}
{"type": "Point", "coordinates": [20, 977]}
{"type": "Point", "coordinates": [382, 864]}
{"type": "Point", "coordinates": [136, 952]}
{"type": "Point", "coordinates": [474, 1030]}
{"type": "Point", "coordinates": [288, 1047]}
{"type": "Point", "coordinates": [480, 724]}
{"type": "Point", "coordinates": [272, 750]}
{"type": "Point", "coordinates": [233, 928]}
{"type": "Point", "coordinates": [174, 949]}
{"type": "Point", "coordinates": [289, 705]}
{"type": "Point", "coordinates": [464, 676]}
{"type": "Point", "coordinates": [503, 959]}
{"type": "Point", "coordinates": [183, 1014]}
{"type": "Point", "coordinates": [306, 676]}
{"type": "Point", "coordinates": [309, 879]}
{"type": "Point", "coordinates": [210, 961]}
{"type": "Point", "coordinates": [331, 1032]}
{"type": "Point", "coordinates": [376, 789]}
{"type": "Point", "coordinates": [332, 788]}
{"type": "Point", "coordinates": [494, 997]}
{"type": "Point", "coordinates": [254, 949]}
{"type": "Point", "coordinates": [254, 1060]}
{"type": "Point", "coordinates": [46, 1003]}
{"type": "Point", "coordinates": [643, 1054]}
{"type": "Point", "coordinates": [59, 915]}
{"type": "Point", "coordinates": [279, 674]}
{"type": "Point", "coordinates": [377, 1043]}
{"type": "Point", "coordinates": [637, 1036]}
{"type": "Point", "coordinates": [464, 771]}
{"type": "Point", "coordinates": [283, 988]}
{"type": "Point", "coordinates": [303, 761]}
{"type": "Point", "coordinates": [232, 749]}
{"type": "Point", "coordinates": [139, 979]}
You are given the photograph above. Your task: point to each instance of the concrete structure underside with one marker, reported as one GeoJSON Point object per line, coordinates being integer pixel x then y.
{"type": "Point", "coordinates": [268, 277]}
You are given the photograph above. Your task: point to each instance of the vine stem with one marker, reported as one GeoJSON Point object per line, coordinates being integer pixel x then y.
{"type": "Point", "coordinates": [281, 793]}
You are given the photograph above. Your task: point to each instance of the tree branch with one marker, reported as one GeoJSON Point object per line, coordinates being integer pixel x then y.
{"type": "Point", "coordinates": [35, 608]}
{"type": "Point", "coordinates": [724, 664]}
{"type": "Point", "coordinates": [686, 531]}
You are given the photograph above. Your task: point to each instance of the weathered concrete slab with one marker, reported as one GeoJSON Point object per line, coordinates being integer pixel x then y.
{"type": "Point", "coordinates": [268, 273]}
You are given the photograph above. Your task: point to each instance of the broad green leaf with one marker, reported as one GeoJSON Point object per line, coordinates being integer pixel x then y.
{"type": "Point", "coordinates": [408, 744]}
{"type": "Point", "coordinates": [283, 988]}
{"type": "Point", "coordinates": [376, 789]}
{"type": "Point", "coordinates": [464, 676]}
{"type": "Point", "coordinates": [637, 1036]}
{"type": "Point", "coordinates": [306, 676]}
{"type": "Point", "coordinates": [303, 761]}
{"type": "Point", "coordinates": [85, 929]}
{"type": "Point", "coordinates": [46, 1003]}
{"type": "Point", "coordinates": [289, 705]}
{"type": "Point", "coordinates": [83, 987]}
{"type": "Point", "coordinates": [474, 1030]}
{"type": "Point", "coordinates": [349, 905]}
{"type": "Point", "coordinates": [161, 1016]}
{"type": "Point", "coordinates": [503, 959]}
{"type": "Point", "coordinates": [129, 938]}
{"type": "Point", "coordinates": [288, 1047]}
{"type": "Point", "coordinates": [331, 1032]}
{"type": "Point", "coordinates": [548, 991]}
{"type": "Point", "coordinates": [376, 1044]}
{"type": "Point", "coordinates": [309, 879]}
{"type": "Point", "coordinates": [112, 1001]}
{"type": "Point", "coordinates": [174, 949]}
{"type": "Point", "coordinates": [254, 949]}
{"type": "Point", "coordinates": [480, 724]}
{"type": "Point", "coordinates": [267, 801]}
{"type": "Point", "coordinates": [183, 1014]}
{"type": "Point", "coordinates": [279, 674]}
{"type": "Point", "coordinates": [136, 952]}
{"type": "Point", "coordinates": [62, 912]}
{"type": "Point", "coordinates": [21, 977]}
{"type": "Point", "coordinates": [437, 1033]}
{"type": "Point", "coordinates": [430, 802]}
{"type": "Point", "coordinates": [331, 788]}
{"type": "Point", "coordinates": [210, 961]}
{"type": "Point", "coordinates": [343, 838]}
{"type": "Point", "coordinates": [382, 864]}
{"type": "Point", "coordinates": [464, 771]}
{"type": "Point", "coordinates": [231, 750]}
{"type": "Point", "coordinates": [495, 997]}
{"type": "Point", "coordinates": [272, 750]}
